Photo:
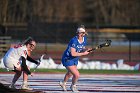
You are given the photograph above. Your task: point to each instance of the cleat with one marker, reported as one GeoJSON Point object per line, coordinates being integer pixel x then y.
{"type": "Point", "coordinates": [74, 88]}
{"type": "Point", "coordinates": [63, 86]}
{"type": "Point", "coordinates": [26, 87]}
{"type": "Point", "coordinates": [12, 86]}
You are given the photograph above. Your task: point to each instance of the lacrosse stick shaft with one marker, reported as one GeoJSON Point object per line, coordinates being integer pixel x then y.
{"type": "Point", "coordinates": [39, 63]}
{"type": "Point", "coordinates": [93, 49]}
{"type": "Point", "coordinates": [35, 68]}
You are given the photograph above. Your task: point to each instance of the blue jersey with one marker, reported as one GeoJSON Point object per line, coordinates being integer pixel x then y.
{"type": "Point", "coordinates": [67, 57]}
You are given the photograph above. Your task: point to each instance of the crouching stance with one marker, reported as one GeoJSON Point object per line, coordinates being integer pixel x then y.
{"type": "Point", "coordinates": [75, 49]}
{"type": "Point", "coordinates": [15, 60]}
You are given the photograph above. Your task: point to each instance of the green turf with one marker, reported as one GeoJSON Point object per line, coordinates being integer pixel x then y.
{"type": "Point", "coordinates": [83, 71]}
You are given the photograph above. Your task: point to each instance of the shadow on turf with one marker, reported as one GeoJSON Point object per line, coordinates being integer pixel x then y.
{"type": "Point", "coordinates": [6, 89]}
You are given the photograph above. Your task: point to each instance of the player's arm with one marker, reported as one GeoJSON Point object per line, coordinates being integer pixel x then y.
{"type": "Point", "coordinates": [32, 60]}
{"type": "Point", "coordinates": [24, 66]}
{"type": "Point", "coordinates": [75, 54]}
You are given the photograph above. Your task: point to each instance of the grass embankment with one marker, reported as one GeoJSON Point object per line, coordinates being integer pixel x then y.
{"type": "Point", "coordinates": [83, 71]}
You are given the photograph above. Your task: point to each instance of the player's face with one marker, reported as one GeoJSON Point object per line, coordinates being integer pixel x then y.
{"type": "Point", "coordinates": [81, 34]}
{"type": "Point", "coordinates": [31, 46]}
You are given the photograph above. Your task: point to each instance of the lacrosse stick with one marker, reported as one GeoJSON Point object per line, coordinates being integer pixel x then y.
{"type": "Point", "coordinates": [39, 62]}
{"type": "Point", "coordinates": [106, 44]}
{"type": "Point", "coordinates": [37, 65]}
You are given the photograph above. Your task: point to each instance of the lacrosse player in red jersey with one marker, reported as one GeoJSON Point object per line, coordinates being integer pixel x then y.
{"type": "Point", "coordinates": [15, 60]}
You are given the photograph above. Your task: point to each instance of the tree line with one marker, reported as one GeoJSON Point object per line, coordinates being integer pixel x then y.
{"type": "Point", "coordinates": [96, 12]}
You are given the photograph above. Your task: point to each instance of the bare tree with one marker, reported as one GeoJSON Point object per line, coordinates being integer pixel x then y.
{"type": "Point", "coordinates": [111, 12]}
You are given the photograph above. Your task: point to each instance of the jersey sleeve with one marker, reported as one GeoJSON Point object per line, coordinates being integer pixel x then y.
{"type": "Point", "coordinates": [85, 41]}
{"type": "Point", "coordinates": [24, 54]}
{"type": "Point", "coordinates": [24, 51]}
{"type": "Point", "coordinates": [72, 43]}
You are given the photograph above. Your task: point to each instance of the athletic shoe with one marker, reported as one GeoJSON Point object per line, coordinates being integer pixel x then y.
{"type": "Point", "coordinates": [63, 86]}
{"type": "Point", "coordinates": [26, 87]}
{"type": "Point", "coordinates": [12, 86]}
{"type": "Point", "coordinates": [74, 88]}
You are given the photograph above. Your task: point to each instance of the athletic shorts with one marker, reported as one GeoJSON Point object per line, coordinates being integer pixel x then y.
{"type": "Point", "coordinates": [69, 62]}
{"type": "Point", "coordinates": [11, 63]}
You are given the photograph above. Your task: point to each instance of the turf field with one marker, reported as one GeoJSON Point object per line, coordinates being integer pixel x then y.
{"type": "Point", "coordinates": [88, 83]}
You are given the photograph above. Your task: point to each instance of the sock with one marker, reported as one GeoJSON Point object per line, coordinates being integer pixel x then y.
{"type": "Point", "coordinates": [64, 82]}
{"type": "Point", "coordinates": [24, 82]}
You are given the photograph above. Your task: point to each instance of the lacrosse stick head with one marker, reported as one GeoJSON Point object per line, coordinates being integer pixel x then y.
{"type": "Point", "coordinates": [106, 44]}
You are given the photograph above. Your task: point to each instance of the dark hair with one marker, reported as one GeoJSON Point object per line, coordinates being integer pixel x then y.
{"type": "Point", "coordinates": [28, 41]}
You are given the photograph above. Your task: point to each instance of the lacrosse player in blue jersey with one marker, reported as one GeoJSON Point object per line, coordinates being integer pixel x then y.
{"type": "Point", "coordinates": [75, 49]}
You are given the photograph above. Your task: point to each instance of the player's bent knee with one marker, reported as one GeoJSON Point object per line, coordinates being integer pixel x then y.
{"type": "Point", "coordinates": [76, 76]}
